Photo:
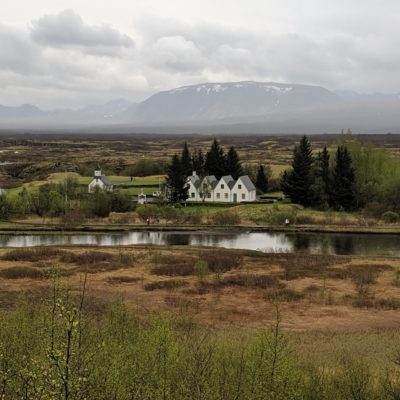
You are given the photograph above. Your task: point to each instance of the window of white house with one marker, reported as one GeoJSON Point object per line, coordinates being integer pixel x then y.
{"type": "Point", "coordinates": [209, 195]}
{"type": "Point", "coordinates": [204, 186]}
{"type": "Point", "coordinates": [243, 196]}
{"type": "Point", "coordinates": [193, 194]}
{"type": "Point", "coordinates": [222, 186]}
{"type": "Point", "coordinates": [226, 195]}
{"type": "Point", "coordinates": [239, 186]}
{"type": "Point", "coordinates": [218, 195]}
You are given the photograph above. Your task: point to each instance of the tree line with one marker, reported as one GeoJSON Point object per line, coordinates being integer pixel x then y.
{"type": "Point", "coordinates": [315, 181]}
{"type": "Point", "coordinates": [215, 162]}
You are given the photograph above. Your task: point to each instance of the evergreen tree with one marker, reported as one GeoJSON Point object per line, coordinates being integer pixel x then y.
{"type": "Point", "coordinates": [233, 165]}
{"type": "Point", "coordinates": [296, 183]}
{"type": "Point", "coordinates": [262, 180]}
{"type": "Point", "coordinates": [215, 160]}
{"type": "Point", "coordinates": [186, 161]}
{"type": "Point", "coordinates": [176, 185]}
{"type": "Point", "coordinates": [343, 195]}
{"type": "Point", "coordinates": [198, 162]}
{"type": "Point", "coordinates": [321, 186]}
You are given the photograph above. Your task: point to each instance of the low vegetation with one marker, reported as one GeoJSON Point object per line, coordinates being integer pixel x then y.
{"type": "Point", "coordinates": [57, 349]}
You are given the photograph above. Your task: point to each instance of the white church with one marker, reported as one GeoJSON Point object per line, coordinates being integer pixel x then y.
{"type": "Point", "coordinates": [100, 182]}
{"type": "Point", "coordinates": [225, 190]}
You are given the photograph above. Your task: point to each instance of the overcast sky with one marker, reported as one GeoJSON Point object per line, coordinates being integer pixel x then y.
{"type": "Point", "coordinates": [57, 53]}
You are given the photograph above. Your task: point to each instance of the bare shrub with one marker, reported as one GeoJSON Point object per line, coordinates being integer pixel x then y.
{"type": "Point", "coordinates": [284, 294]}
{"type": "Point", "coordinates": [73, 217]}
{"type": "Point", "coordinates": [31, 254]}
{"type": "Point", "coordinates": [103, 260]}
{"type": "Point", "coordinates": [88, 257]}
{"type": "Point", "coordinates": [225, 218]}
{"type": "Point", "coordinates": [387, 304]}
{"type": "Point", "coordinates": [364, 297]}
{"type": "Point", "coordinates": [220, 261]}
{"type": "Point", "coordinates": [302, 265]}
{"type": "Point", "coordinates": [21, 273]}
{"type": "Point", "coordinates": [250, 281]}
{"type": "Point", "coordinates": [367, 274]}
{"type": "Point", "coordinates": [171, 285]}
{"type": "Point", "coordinates": [182, 269]}
{"type": "Point", "coordinates": [122, 279]}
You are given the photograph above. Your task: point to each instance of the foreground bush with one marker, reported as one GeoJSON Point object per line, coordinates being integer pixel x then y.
{"type": "Point", "coordinates": [61, 349]}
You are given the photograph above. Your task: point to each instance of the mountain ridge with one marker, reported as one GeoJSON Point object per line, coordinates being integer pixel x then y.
{"type": "Point", "coordinates": [275, 106]}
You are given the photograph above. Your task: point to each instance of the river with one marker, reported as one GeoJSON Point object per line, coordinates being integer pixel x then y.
{"type": "Point", "coordinates": [332, 243]}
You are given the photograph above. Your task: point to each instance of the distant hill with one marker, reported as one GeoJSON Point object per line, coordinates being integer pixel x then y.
{"type": "Point", "coordinates": [236, 107]}
{"type": "Point", "coordinates": [216, 101]}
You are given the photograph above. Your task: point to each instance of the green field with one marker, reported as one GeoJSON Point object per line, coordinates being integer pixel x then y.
{"type": "Point", "coordinates": [129, 187]}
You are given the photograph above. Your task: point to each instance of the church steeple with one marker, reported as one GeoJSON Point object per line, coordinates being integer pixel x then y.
{"type": "Point", "coordinates": [97, 172]}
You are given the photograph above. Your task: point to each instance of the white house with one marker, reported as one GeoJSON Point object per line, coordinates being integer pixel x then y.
{"type": "Point", "coordinates": [225, 190]}
{"type": "Point", "coordinates": [100, 182]}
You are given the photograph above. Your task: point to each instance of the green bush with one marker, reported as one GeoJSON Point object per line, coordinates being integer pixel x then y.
{"type": "Point", "coordinates": [390, 217]}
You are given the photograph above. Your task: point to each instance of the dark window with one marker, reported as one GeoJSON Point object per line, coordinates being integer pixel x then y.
{"type": "Point", "coordinates": [239, 186]}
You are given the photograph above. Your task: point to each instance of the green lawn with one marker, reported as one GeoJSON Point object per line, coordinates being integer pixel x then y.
{"type": "Point", "coordinates": [133, 186]}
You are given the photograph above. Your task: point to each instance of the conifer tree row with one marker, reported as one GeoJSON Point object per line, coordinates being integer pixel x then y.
{"type": "Point", "coordinates": [312, 182]}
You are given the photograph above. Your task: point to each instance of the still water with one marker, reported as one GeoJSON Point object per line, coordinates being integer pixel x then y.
{"type": "Point", "coordinates": [350, 244]}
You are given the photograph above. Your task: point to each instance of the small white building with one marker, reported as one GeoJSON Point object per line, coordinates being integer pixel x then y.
{"type": "Point", "coordinates": [100, 182]}
{"type": "Point", "coordinates": [225, 190]}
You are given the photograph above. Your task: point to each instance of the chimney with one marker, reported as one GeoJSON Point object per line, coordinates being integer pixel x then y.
{"type": "Point", "coordinates": [194, 173]}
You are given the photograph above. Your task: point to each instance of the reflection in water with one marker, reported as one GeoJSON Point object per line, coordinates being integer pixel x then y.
{"type": "Point", "coordinates": [352, 244]}
{"type": "Point", "coordinates": [343, 244]}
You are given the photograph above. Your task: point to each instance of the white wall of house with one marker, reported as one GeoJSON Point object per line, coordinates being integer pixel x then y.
{"type": "Point", "coordinates": [222, 192]}
{"type": "Point", "coordinates": [240, 193]}
{"type": "Point", "coordinates": [193, 192]}
{"type": "Point", "coordinates": [203, 191]}
{"type": "Point", "coordinates": [99, 185]}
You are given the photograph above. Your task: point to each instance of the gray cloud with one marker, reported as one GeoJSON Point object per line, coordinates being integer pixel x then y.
{"type": "Point", "coordinates": [68, 28]}
{"type": "Point", "coordinates": [62, 59]}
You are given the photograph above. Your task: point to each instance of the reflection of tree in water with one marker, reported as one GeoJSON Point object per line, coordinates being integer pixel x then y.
{"type": "Point", "coordinates": [343, 244]}
{"type": "Point", "coordinates": [177, 239]}
{"type": "Point", "coordinates": [300, 242]}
